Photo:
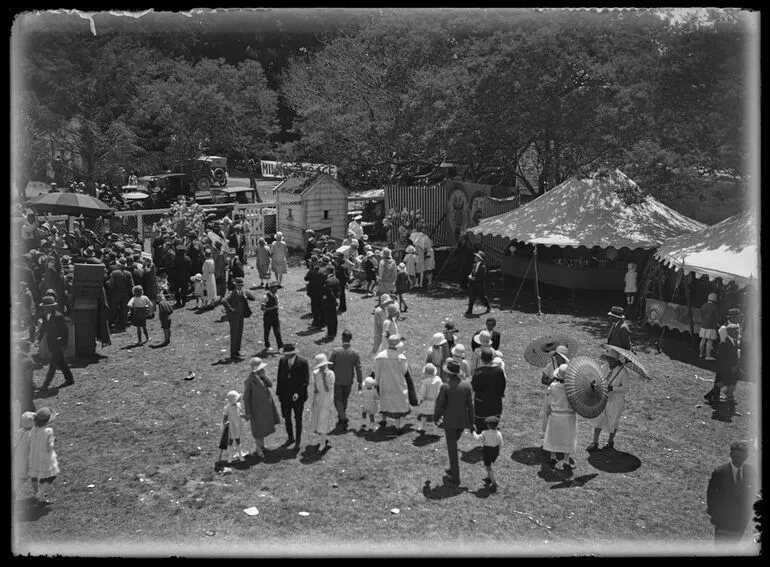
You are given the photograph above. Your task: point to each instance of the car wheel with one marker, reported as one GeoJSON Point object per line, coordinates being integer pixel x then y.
{"type": "Point", "coordinates": [203, 184]}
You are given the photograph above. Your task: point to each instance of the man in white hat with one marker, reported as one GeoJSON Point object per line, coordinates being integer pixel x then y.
{"type": "Point", "coordinates": [477, 283]}
{"type": "Point", "coordinates": [356, 228]}
{"type": "Point", "coordinates": [390, 369]}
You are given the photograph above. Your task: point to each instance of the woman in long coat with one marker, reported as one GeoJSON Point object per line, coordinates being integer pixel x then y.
{"type": "Point", "coordinates": [258, 404]}
{"type": "Point", "coordinates": [390, 368]}
{"type": "Point", "coordinates": [279, 253]}
{"type": "Point", "coordinates": [322, 414]}
{"type": "Point", "coordinates": [209, 279]}
{"type": "Point", "coordinates": [559, 422]}
{"type": "Point", "coordinates": [263, 262]}
{"type": "Point", "coordinates": [150, 279]}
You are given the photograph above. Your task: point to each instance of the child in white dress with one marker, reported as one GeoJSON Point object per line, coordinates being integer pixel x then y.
{"type": "Point", "coordinates": [21, 449]}
{"type": "Point", "coordinates": [410, 260]}
{"type": "Point", "coordinates": [492, 442]}
{"type": "Point", "coordinates": [631, 284]}
{"type": "Point", "coordinates": [431, 384]}
{"type": "Point", "coordinates": [141, 307]}
{"type": "Point", "coordinates": [43, 464]}
{"type": "Point", "coordinates": [369, 404]}
{"type": "Point", "coordinates": [199, 290]}
{"type": "Point", "coordinates": [232, 416]}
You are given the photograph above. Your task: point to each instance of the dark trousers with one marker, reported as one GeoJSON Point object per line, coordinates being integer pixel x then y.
{"type": "Point", "coordinates": [57, 362]}
{"type": "Point", "coordinates": [315, 309]}
{"type": "Point", "coordinates": [329, 310]}
{"type": "Point", "coordinates": [119, 309]}
{"type": "Point", "coordinates": [286, 410]}
{"type": "Point", "coordinates": [477, 292]}
{"type": "Point", "coordinates": [343, 303]}
{"type": "Point", "coordinates": [273, 323]}
{"type": "Point", "coordinates": [341, 395]}
{"type": "Point", "coordinates": [236, 334]}
{"type": "Point", "coordinates": [180, 292]}
{"type": "Point", "coordinates": [452, 437]}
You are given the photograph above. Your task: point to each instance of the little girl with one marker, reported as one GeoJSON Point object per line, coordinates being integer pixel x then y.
{"type": "Point", "coordinates": [403, 284]}
{"type": "Point", "coordinates": [370, 272]}
{"type": "Point", "coordinates": [369, 405]}
{"type": "Point", "coordinates": [559, 422]}
{"type": "Point", "coordinates": [431, 384]}
{"type": "Point", "coordinates": [165, 310]}
{"type": "Point", "coordinates": [429, 266]}
{"type": "Point", "coordinates": [492, 441]}
{"type": "Point", "coordinates": [21, 449]}
{"type": "Point", "coordinates": [199, 290]}
{"type": "Point", "coordinates": [410, 260]}
{"type": "Point", "coordinates": [232, 415]}
{"type": "Point", "coordinates": [458, 353]}
{"type": "Point", "coordinates": [630, 279]}
{"type": "Point", "coordinates": [43, 464]}
{"type": "Point", "coordinates": [141, 307]}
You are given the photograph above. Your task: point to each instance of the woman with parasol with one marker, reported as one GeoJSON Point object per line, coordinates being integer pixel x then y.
{"type": "Point", "coordinates": [559, 422]}
{"type": "Point", "coordinates": [617, 377]}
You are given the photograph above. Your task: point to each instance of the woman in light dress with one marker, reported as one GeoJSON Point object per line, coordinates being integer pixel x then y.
{"type": "Point", "coordinates": [559, 422]}
{"type": "Point", "coordinates": [263, 262]}
{"type": "Point", "coordinates": [279, 252]}
{"type": "Point", "coordinates": [209, 280]}
{"type": "Point", "coordinates": [322, 414]}
{"type": "Point", "coordinates": [389, 325]}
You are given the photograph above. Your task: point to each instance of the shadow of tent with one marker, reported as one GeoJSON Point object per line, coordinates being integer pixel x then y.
{"type": "Point", "coordinates": [577, 481]}
{"type": "Point", "coordinates": [611, 461]}
{"type": "Point", "coordinates": [531, 456]}
{"type": "Point", "coordinates": [442, 491]}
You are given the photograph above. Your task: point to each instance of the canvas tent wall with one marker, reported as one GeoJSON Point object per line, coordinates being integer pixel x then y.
{"type": "Point", "coordinates": [605, 212]}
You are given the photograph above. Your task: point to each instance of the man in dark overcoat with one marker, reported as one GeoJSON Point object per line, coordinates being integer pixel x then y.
{"type": "Point", "coordinates": [331, 292]}
{"type": "Point", "coordinates": [488, 384]}
{"type": "Point", "coordinates": [235, 307]}
{"type": "Point", "coordinates": [291, 389]}
{"type": "Point", "coordinates": [55, 329]}
{"type": "Point", "coordinates": [477, 283]}
{"type": "Point", "coordinates": [730, 495]}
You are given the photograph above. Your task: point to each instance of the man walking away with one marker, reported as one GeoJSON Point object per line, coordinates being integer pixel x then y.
{"type": "Point", "coordinates": [347, 362]}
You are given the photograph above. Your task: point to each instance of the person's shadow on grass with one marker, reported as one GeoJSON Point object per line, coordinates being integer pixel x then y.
{"type": "Point", "coordinates": [531, 456]}
{"type": "Point", "coordinates": [576, 481]}
{"type": "Point", "coordinates": [442, 491]}
{"type": "Point", "coordinates": [722, 412]}
{"type": "Point", "coordinates": [312, 454]}
{"type": "Point", "coordinates": [159, 345]}
{"type": "Point", "coordinates": [425, 439]}
{"type": "Point", "coordinates": [222, 361]}
{"type": "Point", "coordinates": [377, 436]}
{"type": "Point", "coordinates": [29, 509]}
{"type": "Point", "coordinates": [550, 474]}
{"type": "Point", "coordinates": [47, 393]}
{"type": "Point", "coordinates": [310, 331]}
{"type": "Point", "coordinates": [472, 456]}
{"type": "Point", "coordinates": [613, 461]}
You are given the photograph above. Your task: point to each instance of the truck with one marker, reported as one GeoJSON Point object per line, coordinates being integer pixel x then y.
{"type": "Point", "coordinates": [206, 171]}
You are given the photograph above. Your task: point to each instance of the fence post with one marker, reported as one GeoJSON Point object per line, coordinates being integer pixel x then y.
{"type": "Point", "coordinates": [140, 228]}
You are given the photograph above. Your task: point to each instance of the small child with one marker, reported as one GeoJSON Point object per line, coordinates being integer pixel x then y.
{"type": "Point", "coordinates": [43, 464]}
{"type": "Point", "coordinates": [630, 287]}
{"type": "Point", "coordinates": [370, 272]}
{"type": "Point", "coordinates": [369, 405]}
{"type": "Point", "coordinates": [165, 310]}
{"type": "Point", "coordinates": [141, 307]}
{"type": "Point", "coordinates": [199, 290]}
{"type": "Point", "coordinates": [431, 384]}
{"type": "Point", "coordinates": [410, 260]}
{"type": "Point", "coordinates": [402, 286]}
{"type": "Point", "coordinates": [428, 267]}
{"type": "Point", "coordinates": [458, 354]}
{"type": "Point", "coordinates": [21, 449]}
{"type": "Point", "coordinates": [232, 416]}
{"type": "Point", "coordinates": [492, 441]}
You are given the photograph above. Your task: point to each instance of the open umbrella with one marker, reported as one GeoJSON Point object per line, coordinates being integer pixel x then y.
{"type": "Point", "coordinates": [538, 352]}
{"type": "Point", "coordinates": [585, 386]}
{"type": "Point", "coordinates": [421, 240]}
{"type": "Point", "coordinates": [344, 249]}
{"type": "Point", "coordinates": [214, 237]}
{"type": "Point", "coordinates": [70, 204]}
{"type": "Point", "coordinates": [632, 362]}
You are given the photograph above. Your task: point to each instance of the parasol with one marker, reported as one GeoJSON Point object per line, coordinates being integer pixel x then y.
{"type": "Point", "coordinates": [135, 196]}
{"type": "Point", "coordinates": [538, 352]}
{"type": "Point", "coordinates": [344, 249]}
{"type": "Point", "coordinates": [585, 386]}
{"type": "Point", "coordinates": [70, 204]}
{"type": "Point", "coordinates": [421, 240]}
{"type": "Point", "coordinates": [214, 237]}
{"type": "Point", "coordinates": [632, 362]}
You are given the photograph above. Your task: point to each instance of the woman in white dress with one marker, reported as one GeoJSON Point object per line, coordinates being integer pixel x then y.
{"type": "Point", "coordinates": [209, 280]}
{"type": "Point", "coordinates": [618, 378]}
{"type": "Point", "coordinates": [322, 416]}
{"type": "Point", "coordinates": [559, 422]}
{"type": "Point", "coordinates": [279, 252]}
{"type": "Point", "coordinates": [389, 326]}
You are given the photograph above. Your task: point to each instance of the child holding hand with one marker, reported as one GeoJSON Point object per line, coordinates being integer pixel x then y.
{"type": "Point", "coordinates": [431, 384]}
{"type": "Point", "coordinates": [232, 418]}
{"type": "Point", "coordinates": [140, 306]}
{"type": "Point", "coordinates": [369, 405]}
{"type": "Point", "coordinates": [492, 441]}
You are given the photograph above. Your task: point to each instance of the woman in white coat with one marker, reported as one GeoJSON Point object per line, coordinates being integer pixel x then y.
{"type": "Point", "coordinates": [322, 416]}
{"type": "Point", "coordinates": [618, 378]}
{"type": "Point", "coordinates": [559, 422]}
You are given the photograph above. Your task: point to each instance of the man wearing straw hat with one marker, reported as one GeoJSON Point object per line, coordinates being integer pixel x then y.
{"type": "Point", "coordinates": [620, 333]}
{"type": "Point", "coordinates": [454, 413]}
{"type": "Point", "coordinates": [477, 283]}
{"type": "Point", "coordinates": [54, 328]}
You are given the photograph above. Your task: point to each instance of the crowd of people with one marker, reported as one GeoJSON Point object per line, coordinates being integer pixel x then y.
{"type": "Point", "coordinates": [456, 388]}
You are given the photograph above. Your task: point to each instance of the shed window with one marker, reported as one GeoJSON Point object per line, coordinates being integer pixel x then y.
{"type": "Point", "coordinates": [326, 215]}
{"type": "Point", "coordinates": [289, 216]}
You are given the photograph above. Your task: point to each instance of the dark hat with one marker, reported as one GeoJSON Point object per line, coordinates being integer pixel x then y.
{"type": "Point", "coordinates": [452, 367]}
{"type": "Point", "coordinates": [48, 301]}
{"type": "Point", "coordinates": [238, 281]}
{"type": "Point", "coordinates": [288, 348]}
{"type": "Point", "coordinates": [617, 311]}
{"type": "Point", "coordinates": [734, 312]}
{"type": "Point", "coordinates": [43, 416]}
{"type": "Point", "coordinates": [481, 255]}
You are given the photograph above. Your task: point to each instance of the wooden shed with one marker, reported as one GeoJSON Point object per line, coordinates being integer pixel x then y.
{"type": "Point", "coordinates": [318, 202]}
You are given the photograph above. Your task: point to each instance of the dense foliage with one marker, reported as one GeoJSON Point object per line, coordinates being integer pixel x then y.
{"type": "Point", "coordinates": [529, 97]}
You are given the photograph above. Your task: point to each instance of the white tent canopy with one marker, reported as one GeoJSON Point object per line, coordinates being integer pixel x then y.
{"type": "Point", "coordinates": [727, 250]}
{"type": "Point", "coordinates": [591, 212]}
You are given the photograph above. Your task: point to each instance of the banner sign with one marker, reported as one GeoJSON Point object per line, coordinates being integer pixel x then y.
{"type": "Point", "coordinates": [671, 315]}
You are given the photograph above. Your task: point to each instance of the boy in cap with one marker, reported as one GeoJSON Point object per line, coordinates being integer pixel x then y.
{"type": "Point", "coordinates": [492, 442]}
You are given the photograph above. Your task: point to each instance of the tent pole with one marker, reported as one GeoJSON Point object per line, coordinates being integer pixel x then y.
{"type": "Point", "coordinates": [537, 285]}
{"type": "Point", "coordinates": [524, 279]}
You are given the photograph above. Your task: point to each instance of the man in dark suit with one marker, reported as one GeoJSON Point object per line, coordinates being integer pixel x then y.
{"type": "Point", "coordinates": [236, 305]}
{"type": "Point", "coordinates": [309, 246]}
{"type": "Point", "coordinates": [477, 283]}
{"type": "Point", "coordinates": [730, 495]}
{"type": "Point", "coordinates": [331, 291]}
{"type": "Point", "coordinates": [495, 335]}
{"type": "Point", "coordinates": [454, 405]}
{"type": "Point", "coordinates": [291, 389]}
{"type": "Point", "coordinates": [488, 385]}
{"type": "Point", "coordinates": [54, 328]}
{"type": "Point", "coordinates": [620, 333]}
{"type": "Point", "coordinates": [315, 284]}
{"type": "Point", "coordinates": [120, 284]}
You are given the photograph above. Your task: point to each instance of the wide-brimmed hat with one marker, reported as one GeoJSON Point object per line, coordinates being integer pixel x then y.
{"type": "Point", "coordinates": [321, 360]}
{"type": "Point", "coordinates": [452, 367]}
{"type": "Point", "coordinates": [734, 312]}
{"type": "Point", "coordinates": [402, 267]}
{"type": "Point", "coordinates": [480, 254]}
{"type": "Point", "coordinates": [410, 249]}
{"type": "Point", "coordinates": [617, 311]}
{"type": "Point", "coordinates": [483, 338]}
{"type": "Point", "coordinates": [438, 339]}
{"type": "Point", "coordinates": [48, 301]}
{"type": "Point", "coordinates": [238, 281]}
{"type": "Point", "coordinates": [712, 297]}
{"type": "Point", "coordinates": [357, 217]}
{"type": "Point", "coordinates": [27, 419]}
{"type": "Point", "coordinates": [43, 416]}
{"type": "Point", "coordinates": [458, 350]}
{"type": "Point", "coordinates": [395, 340]}
{"type": "Point", "coordinates": [288, 348]}
{"type": "Point", "coordinates": [233, 396]}
{"type": "Point", "coordinates": [257, 364]}
{"type": "Point", "coordinates": [385, 299]}
{"type": "Point", "coordinates": [560, 372]}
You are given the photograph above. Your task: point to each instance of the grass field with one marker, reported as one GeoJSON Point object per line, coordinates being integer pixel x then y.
{"type": "Point", "coordinates": [137, 446]}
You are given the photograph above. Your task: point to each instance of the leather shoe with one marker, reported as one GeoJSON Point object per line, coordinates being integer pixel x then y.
{"type": "Point", "coordinates": [592, 447]}
{"type": "Point", "coordinates": [449, 480]}
{"type": "Point", "coordinates": [296, 447]}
